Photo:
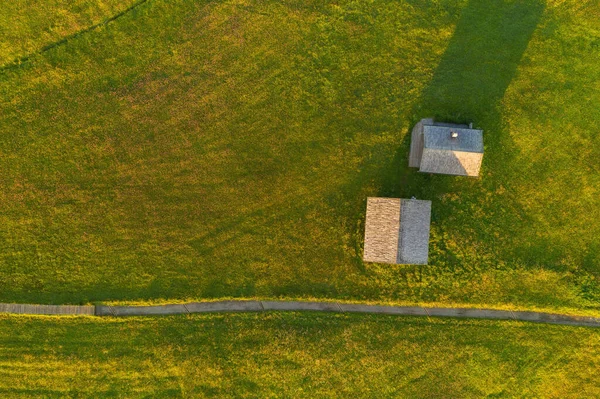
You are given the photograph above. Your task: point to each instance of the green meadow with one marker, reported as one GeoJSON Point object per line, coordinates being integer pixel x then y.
{"type": "Point", "coordinates": [176, 150]}
{"type": "Point", "coordinates": [294, 355]}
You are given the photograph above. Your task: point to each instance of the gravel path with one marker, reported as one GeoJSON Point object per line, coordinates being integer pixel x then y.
{"type": "Point", "coordinates": [264, 306]}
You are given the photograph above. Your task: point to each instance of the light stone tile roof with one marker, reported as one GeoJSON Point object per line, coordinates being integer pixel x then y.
{"type": "Point", "coordinates": [397, 231]}
{"type": "Point", "coordinates": [415, 218]}
{"type": "Point", "coordinates": [451, 162]}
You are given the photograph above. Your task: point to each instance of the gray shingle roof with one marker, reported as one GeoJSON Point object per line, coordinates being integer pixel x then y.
{"type": "Point", "coordinates": [397, 231]}
{"type": "Point", "coordinates": [440, 138]}
{"type": "Point", "coordinates": [434, 150]}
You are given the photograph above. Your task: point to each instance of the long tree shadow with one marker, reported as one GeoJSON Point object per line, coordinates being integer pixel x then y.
{"type": "Point", "coordinates": [468, 86]}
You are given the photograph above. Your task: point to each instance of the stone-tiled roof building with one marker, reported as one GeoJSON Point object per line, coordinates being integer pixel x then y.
{"type": "Point", "coordinates": [397, 231]}
{"type": "Point", "coordinates": [446, 148]}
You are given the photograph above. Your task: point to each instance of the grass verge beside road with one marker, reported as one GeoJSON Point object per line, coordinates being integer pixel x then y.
{"type": "Point", "coordinates": [294, 355]}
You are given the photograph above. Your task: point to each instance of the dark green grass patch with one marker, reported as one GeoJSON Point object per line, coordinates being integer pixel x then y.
{"type": "Point", "coordinates": [210, 149]}
{"type": "Point", "coordinates": [299, 355]}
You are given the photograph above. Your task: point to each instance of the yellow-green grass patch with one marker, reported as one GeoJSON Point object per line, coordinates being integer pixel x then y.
{"type": "Point", "coordinates": [294, 355]}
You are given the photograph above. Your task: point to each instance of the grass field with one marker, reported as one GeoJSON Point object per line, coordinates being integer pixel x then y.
{"type": "Point", "coordinates": [206, 149]}
{"type": "Point", "coordinates": [294, 355]}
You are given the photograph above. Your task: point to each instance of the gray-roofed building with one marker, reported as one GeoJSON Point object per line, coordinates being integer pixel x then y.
{"type": "Point", "coordinates": [397, 231]}
{"type": "Point", "coordinates": [446, 148]}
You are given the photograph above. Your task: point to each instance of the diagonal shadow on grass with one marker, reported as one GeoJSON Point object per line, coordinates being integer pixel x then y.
{"type": "Point", "coordinates": [469, 83]}
{"type": "Point", "coordinates": [480, 62]}
{"type": "Point", "coordinates": [468, 86]}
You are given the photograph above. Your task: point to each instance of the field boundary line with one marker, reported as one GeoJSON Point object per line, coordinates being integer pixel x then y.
{"type": "Point", "coordinates": [17, 62]}
{"type": "Point", "coordinates": [299, 306]}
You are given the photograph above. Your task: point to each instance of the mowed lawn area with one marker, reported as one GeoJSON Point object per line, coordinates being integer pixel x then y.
{"type": "Point", "coordinates": [289, 355]}
{"type": "Point", "coordinates": [208, 149]}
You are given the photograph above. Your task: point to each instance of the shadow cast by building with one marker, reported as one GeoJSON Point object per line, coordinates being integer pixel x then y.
{"type": "Point", "coordinates": [468, 85]}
